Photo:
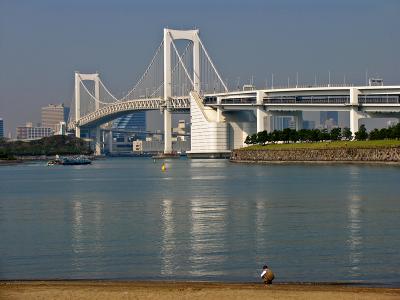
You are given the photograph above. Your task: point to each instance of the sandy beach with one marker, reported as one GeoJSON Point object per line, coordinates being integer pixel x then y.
{"type": "Point", "coordinates": [185, 290]}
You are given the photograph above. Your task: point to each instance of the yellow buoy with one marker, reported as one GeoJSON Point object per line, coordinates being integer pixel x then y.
{"type": "Point", "coordinates": [163, 167]}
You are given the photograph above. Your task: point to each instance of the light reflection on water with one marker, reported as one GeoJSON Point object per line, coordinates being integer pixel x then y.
{"type": "Point", "coordinates": [208, 226]}
{"type": "Point", "coordinates": [168, 248]}
{"type": "Point", "coordinates": [354, 222]}
{"type": "Point", "coordinates": [200, 220]}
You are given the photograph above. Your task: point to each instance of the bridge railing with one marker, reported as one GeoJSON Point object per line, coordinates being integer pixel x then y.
{"type": "Point", "coordinates": [207, 100]}
{"type": "Point", "coordinates": [303, 86]}
{"type": "Point", "coordinates": [379, 99]}
{"type": "Point", "coordinates": [246, 100]}
{"type": "Point", "coordinates": [307, 100]}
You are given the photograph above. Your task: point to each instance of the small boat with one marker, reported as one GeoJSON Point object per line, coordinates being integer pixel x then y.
{"type": "Point", "coordinates": [69, 161]}
{"type": "Point", "coordinates": [80, 160]}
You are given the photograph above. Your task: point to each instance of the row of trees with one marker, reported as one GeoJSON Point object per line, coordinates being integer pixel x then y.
{"type": "Point", "coordinates": [52, 145]}
{"type": "Point", "coordinates": [316, 135]}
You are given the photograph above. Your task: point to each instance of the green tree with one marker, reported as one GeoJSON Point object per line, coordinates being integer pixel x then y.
{"type": "Point", "coordinates": [336, 134]}
{"type": "Point", "coordinates": [374, 134]}
{"type": "Point", "coordinates": [347, 134]}
{"type": "Point", "coordinates": [248, 141]}
{"type": "Point", "coordinates": [324, 135]}
{"type": "Point", "coordinates": [314, 135]}
{"type": "Point", "coordinates": [303, 134]}
{"type": "Point", "coordinates": [262, 137]}
{"type": "Point", "coordinates": [294, 136]}
{"type": "Point", "coordinates": [361, 134]}
{"type": "Point", "coordinates": [396, 131]}
{"type": "Point", "coordinates": [285, 135]}
{"type": "Point", "coordinates": [276, 136]}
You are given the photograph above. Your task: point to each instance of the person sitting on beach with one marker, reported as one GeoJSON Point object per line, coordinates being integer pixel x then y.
{"type": "Point", "coordinates": [267, 275]}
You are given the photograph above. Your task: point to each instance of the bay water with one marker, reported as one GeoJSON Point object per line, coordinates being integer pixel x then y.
{"type": "Point", "coordinates": [123, 218]}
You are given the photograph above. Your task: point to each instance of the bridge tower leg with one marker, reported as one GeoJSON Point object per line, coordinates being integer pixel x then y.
{"type": "Point", "coordinates": [169, 36]}
{"type": "Point", "coordinates": [77, 103]}
{"type": "Point", "coordinates": [355, 116]}
{"type": "Point", "coordinates": [167, 131]}
{"type": "Point", "coordinates": [97, 106]}
{"type": "Point", "coordinates": [110, 142]}
{"type": "Point", "coordinates": [98, 141]}
{"type": "Point", "coordinates": [167, 92]}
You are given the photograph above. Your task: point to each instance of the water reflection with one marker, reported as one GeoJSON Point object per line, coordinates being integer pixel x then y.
{"type": "Point", "coordinates": [355, 240]}
{"type": "Point", "coordinates": [208, 232]}
{"type": "Point", "coordinates": [260, 229]}
{"type": "Point", "coordinates": [168, 239]}
{"type": "Point", "coordinates": [77, 217]}
{"type": "Point", "coordinates": [87, 232]}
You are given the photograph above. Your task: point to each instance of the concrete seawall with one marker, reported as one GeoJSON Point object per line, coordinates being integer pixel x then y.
{"type": "Point", "coordinates": [319, 155]}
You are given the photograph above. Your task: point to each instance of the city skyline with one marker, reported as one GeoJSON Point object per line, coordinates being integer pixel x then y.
{"type": "Point", "coordinates": [40, 53]}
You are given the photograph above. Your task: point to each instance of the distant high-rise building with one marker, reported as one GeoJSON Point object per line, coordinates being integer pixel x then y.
{"type": "Point", "coordinates": [308, 124]}
{"type": "Point", "coordinates": [282, 122]}
{"type": "Point", "coordinates": [331, 116]}
{"type": "Point", "coordinates": [135, 122]}
{"type": "Point", "coordinates": [53, 114]}
{"type": "Point", "coordinates": [1, 128]}
{"type": "Point", "coordinates": [30, 132]}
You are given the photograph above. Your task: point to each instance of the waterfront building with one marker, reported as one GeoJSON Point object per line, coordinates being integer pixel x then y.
{"type": "Point", "coordinates": [180, 130]}
{"type": "Point", "coordinates": [282, 122]}
{"type": "Point", "coordinates": [53, 114]}
{"type": "Point", "coordinates": [30, 132]}
{"type": "Point", "coordinates": [134, 124]}
{"type": "Point", "coordinates": [1, 128]}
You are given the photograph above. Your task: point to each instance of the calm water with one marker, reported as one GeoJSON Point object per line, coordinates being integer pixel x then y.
{"type": "Point", "coordinates": [200, 220]}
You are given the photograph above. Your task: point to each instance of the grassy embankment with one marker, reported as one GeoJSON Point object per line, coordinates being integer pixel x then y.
{"type": "Point", "coordinates": [327, 145]}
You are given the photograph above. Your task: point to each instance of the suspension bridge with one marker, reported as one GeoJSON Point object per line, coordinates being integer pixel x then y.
{"type": "Point", "coordinates": [181, 76]}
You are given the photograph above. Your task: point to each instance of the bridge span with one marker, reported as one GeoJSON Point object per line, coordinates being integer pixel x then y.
{"type": "Point", "coordinates": [220, 119]}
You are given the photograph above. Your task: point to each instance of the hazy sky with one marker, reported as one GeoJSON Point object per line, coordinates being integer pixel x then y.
{"type": "Point", "coordinates": [42, 43]}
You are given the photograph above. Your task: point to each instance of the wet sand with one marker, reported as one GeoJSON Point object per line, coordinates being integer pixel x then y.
{"type": "Point", "coordinates": [185, 290]}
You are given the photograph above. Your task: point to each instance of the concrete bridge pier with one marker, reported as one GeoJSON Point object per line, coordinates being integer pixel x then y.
{"type": "Point", "coordinates": [167, 131]}
{"type": "Point", "coordinates": [110, 142]}
{"type": "Point", "coordinates": [355, 116]}
{"type": "Point", "coordinates": [97, 148]}
{"type": "Point", "coordinates": [78, 132]}
{"type": "Point", "coordinates": [264, 120]}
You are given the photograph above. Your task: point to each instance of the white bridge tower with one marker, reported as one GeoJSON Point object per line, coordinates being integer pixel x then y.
{"type": "Point", "coordinates": [169, 36]}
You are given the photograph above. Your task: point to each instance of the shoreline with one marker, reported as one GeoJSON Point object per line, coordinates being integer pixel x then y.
{"type": "Point", "coordinates": [316, 162]}
{"type": "Point", "coordinates": [383, 155]}
{"type": "Point", "coordinates": [110, 289]}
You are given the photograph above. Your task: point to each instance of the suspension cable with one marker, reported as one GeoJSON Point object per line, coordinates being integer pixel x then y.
{"type": "Point", "coordinates": [180, 60]}
{"type": "Point", "coordinates": [212, 64]}
{"type": "Point", "coordinates": [145, 73]}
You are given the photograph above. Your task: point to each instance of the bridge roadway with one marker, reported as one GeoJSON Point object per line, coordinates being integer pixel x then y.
{"type": "Point", "coordinates": [377, 99]}
{"type": "Point", "coordinates": [360, 102]}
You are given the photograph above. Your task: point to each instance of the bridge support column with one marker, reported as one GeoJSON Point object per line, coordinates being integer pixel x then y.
{"type": "Point", "coordinates": [265, 120]}
{"type": "Point", "coordinates": [261, 115]}
{"type": "Point", "coordinates": [167, 132]}
{"type": "Point", "coordinates": [78, 132]}
{"type": "Point", "coordinates": [77, 103]}
{"type": "Point", "coordinates": [110, 142]}
{"type": "Point", "coordinates": [98, 141]}
{"type": "Point", "coordinates": [355, 116]}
